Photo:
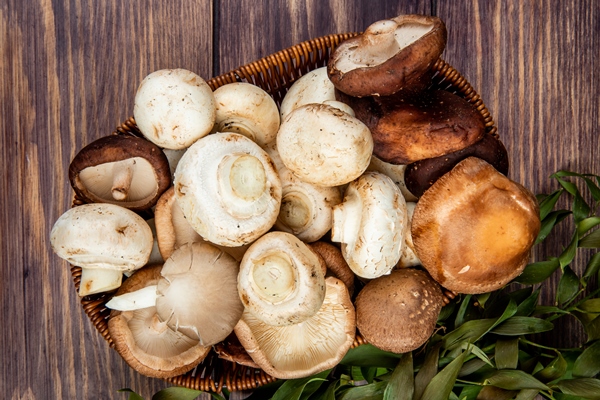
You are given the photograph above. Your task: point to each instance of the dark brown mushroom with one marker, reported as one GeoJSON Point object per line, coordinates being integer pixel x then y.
{"type": "Point", "coordinates": [474, 228]}
{"type": "Point", "coordinates": [389, 56]}
{"type": "Point", "coordinates": [420, 175]}
{"type": "Point", "coordinates": [398, 312]}
{"type": "Point", "coordinates": [120, 169]}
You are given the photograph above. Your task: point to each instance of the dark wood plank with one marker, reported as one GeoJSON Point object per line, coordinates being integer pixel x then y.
{"type": "Point", "coordinates": [69, 72]}
{"type": "Point", "coordinates": [248, 32]}
{"type": "Point", "coordinates": [534, 64]}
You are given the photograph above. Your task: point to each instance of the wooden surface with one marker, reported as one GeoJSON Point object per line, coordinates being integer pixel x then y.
{"type": "Point", "coordinates": [69, 70]}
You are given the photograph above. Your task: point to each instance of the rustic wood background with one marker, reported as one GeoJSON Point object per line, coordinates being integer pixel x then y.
{"type": "Point", "coordinates": [69, 70]}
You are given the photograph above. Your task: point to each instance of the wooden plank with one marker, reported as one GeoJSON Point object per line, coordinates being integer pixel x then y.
{"type": "Point", "coordinates": [247, 32]}
{"type": "Point", "coordinates": [69, 73]}
{"type": "Point", "coordinates": [534, 64]}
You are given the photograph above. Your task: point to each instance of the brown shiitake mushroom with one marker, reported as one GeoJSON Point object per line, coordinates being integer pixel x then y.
{"type": "Point", "coordinates": [335, 263]}
{"type": "Point", "coordinates": [389, 56]}
{"type": "Point", "coordinates": [145, 341]}
{"type": "Point", "coordinates": [473, 229]}
{"type": "Point", "coordinates": [420, 175]}
{"type": "Point", "coordinates": [120, 169]}
{"type": "Point", "coordinates": [398, 312]}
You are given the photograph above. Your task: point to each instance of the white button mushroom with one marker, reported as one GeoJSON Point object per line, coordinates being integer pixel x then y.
{"type": "Point", "coordinates": [370, 224]}
{"type": "Point", "coordinates": [306, 209]}
{"type": "Point", "coordinates": [174, 108]}
{"type": "Point", "coordinates": [323, 145]}
{"type": "Point", "coordinates": [314, 87]}
{"type": "Point", "coordinates": [281, 280]}
{"type": "Point", "coordinates": [248, 110]}
{"type": "Point", "coordinates": [105, 240]}
{"type": "Point", "coordinates": [228, 189]}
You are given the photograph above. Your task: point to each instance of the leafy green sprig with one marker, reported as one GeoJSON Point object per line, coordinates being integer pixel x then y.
{"type": "Point", "coordinates": [485, 345]}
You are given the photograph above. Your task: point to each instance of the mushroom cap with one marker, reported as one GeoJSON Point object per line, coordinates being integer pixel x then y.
{"type": "Point", "coordinates": [323, 145]}
{"type": "Point", "coordinates": [146, 343]}
{"type": "Point", "coordinates": [335, 263]}
{"type": "Point", "coordinates": [93, 171]}
{"type": "Point", "coordinates": [100, 235]}
{"type": "Point", "coordinates": [398, 312]}
{"type": "Point", "coordinates": [409, 256]}
{"type": "Point", "coordinates": [174, 108]}
{"type": "Point", "coordinates": [198, 295]}
{"type": "Point", "coordinates": [370, 224]}
{"type": "Point", "coordinates": [228, 189]}
{"type": "Point", "coordinates": [473, 229]}
{"type": "Point", "coordinates": [300, 350]}
{"type": "Point", "coordinates": [246, 109]}
{"type": "Point", "coordinates": [313, 87]}
{"type": "Point", "coordinates": [420, 175]}
{"type": "Point", "coordinates": [422, 125]}
{"type": "Point", "coordinates": [306, 209]}
{"type": "Point", "coordinates": [389, 56]}
{"type": "Point", "coordinates": [394, 171]}
{"type": "Point", "coordinates": [281, 280]}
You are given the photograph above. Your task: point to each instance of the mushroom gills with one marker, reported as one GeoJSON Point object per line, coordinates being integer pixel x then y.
{"type": "Point", "coordinates": [131, 179]}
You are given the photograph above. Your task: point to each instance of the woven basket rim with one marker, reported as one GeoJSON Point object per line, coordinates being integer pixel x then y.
{"type": "Point", "coordinates": [274, 73]}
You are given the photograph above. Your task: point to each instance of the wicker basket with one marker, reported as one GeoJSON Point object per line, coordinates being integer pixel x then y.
{"type": "Point", "coordinates": [275, 74]}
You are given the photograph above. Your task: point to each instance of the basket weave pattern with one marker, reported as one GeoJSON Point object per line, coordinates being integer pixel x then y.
{"type": "Point", "coordinates": [275, 74]}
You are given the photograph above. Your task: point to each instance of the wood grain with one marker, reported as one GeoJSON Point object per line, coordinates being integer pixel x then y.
{"type": "Point", "coordinates": [69, 71]}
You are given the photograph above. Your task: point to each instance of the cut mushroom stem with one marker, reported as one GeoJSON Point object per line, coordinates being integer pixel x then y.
{"type": "Point", "coordinates": [98, 280]}
{"type": "Point", "coordinates": [122, 176]}
{"type": "Point", "coordinates": [136, 300]}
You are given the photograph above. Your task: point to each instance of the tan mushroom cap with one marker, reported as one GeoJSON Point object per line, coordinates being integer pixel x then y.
{"type": "Point", "coordinates": [303, 349]}
{"type": "Point", "coordinates": [120, 169]}
{"type": "Point", "coordinates": [198, 293]}
{"type": "Point", "coordinates": [146, 343]}
{"type": "Point", "coordinates": [389, 56]}
{"type": "Point", "coordinates": [474, 228]}
{"type": "Point", "coordinates": [398, 312]}
{"type": "Point", "coordinates": [335, 263]}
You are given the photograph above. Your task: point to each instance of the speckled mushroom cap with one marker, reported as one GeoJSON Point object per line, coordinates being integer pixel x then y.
{"type": "Point", "coordinates": [145, 342]}
{"type": "Point", "coordinates": [398, 312]}
{"type": "Point", "coordinates": [474, 228]}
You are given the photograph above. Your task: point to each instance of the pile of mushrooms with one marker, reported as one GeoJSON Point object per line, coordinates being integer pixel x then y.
{"type": "Point", "coordinates": [284, 230]}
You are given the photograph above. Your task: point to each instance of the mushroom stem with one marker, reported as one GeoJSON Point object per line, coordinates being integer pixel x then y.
{"type": "Point", "coordinates": [98, 280]}
{"type": "Point", "coordinates": [274, 277]}
{"type": "Point", "coordinates": [136, 300]}
{"type": "Point", "coordinates": [296, 211]}
{"type": "Point", "coordinates": [379, 43]}
{"type": "Point", "coordinates": [122, 176]}
{"type": "Point", "coordinates": [346, 218]}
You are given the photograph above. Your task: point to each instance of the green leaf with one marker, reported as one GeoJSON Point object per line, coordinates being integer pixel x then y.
{"type": "Point", "coordinates": [176, 393]}
{"type": "Point", "coordinates": [402, 384]}
{"type": "Point", "coordinates": [538, 272]}
{"type": "Point", "coordinates": [587, 224]}
{"type": "Point", "coordinates": [568, 286]}
{"type": "Point", "coordinates": [515, 380]}
{"type": "Point", "coordinates": [470, 392]}
{"type": "Point", "coordinates": [591, 241]}
{"type": "Point", "coordinates": [372, 391]}
{"type": "Point", "coordinates": [441, 384]}
{"type": "Point", "coordinates": [472, 366]}
{"type": "Point", "coordinates": [527, 306]}
{"type": "Point", "coordinates": [427, 371]}
{"type": "Point", "coordinates": [367, 355]}
{"type": "Point", "coordinates": [369, 373]}
{"type": "Point", "coordinates": [265, 391]}
{"type": "Point", "coordinates": [507, 353]}
{"type": "Point", "coordinates": [527, 394]}
{"type": "Point", "coordinates": [592, 267]}
{"type": "Point", "coordinates": [569, 186]}
{"type": "Point", "coordinates": [549, 222]}
{"type": "Point", "coordinates": [495, 393]}
{"type": "Point", "coordinates": [587, 365]}
{"type": "Point", "coordinates": [132, 395]}
{"type": "Point", "coordinates": [569, 253]}
{"type": "Point", "coordinates": [460, 315]}
{"type": "Point", "coordinates": [594, 189]}
{"type": "Point", "coordinates": [554, 370]}
{"type": "Point", "coordinates": [590, 306]}
{"type": "Point", "coordinates": [292, 389]}
{"type": "Point", "coordinates": [523, 326]}
{"type": "Point", "coordinates": [584, 387]}
{"type": "Point", "coordinates": [581, 209]}
{"type": "Point", "coordinates": [467, 332]}
{"type": "Point", "coordinates": [548, 203]}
